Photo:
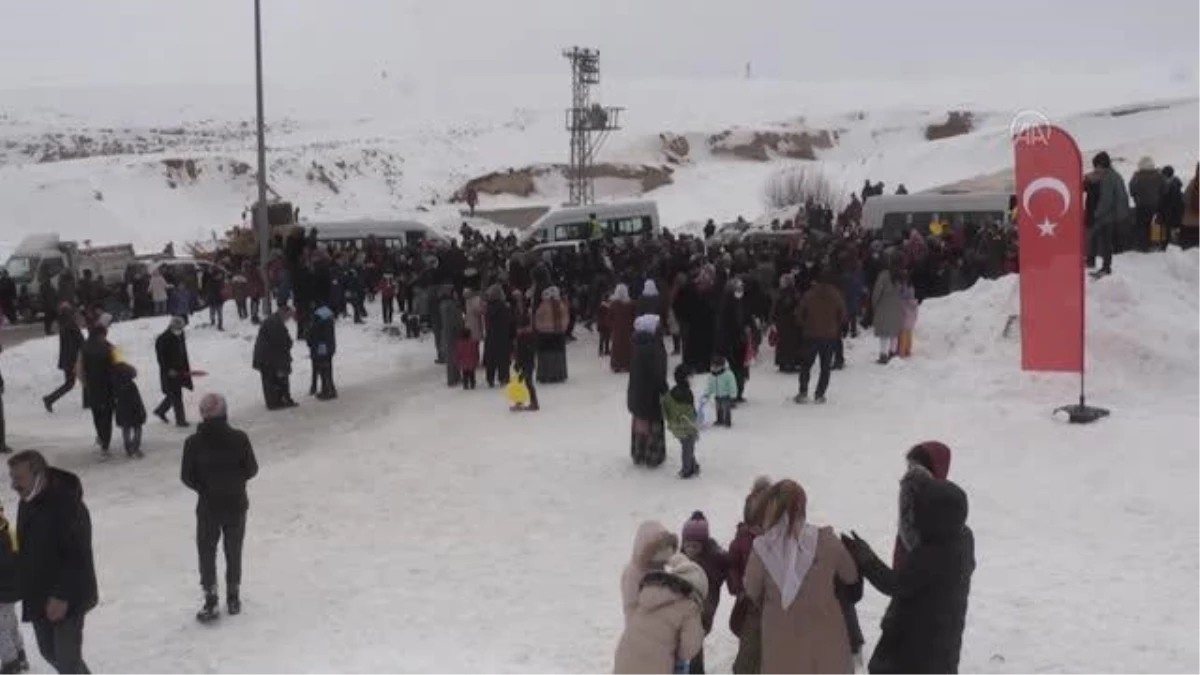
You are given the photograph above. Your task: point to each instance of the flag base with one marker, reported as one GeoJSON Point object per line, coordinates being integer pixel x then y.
{"type": "Point", "coordinates": [1079, 413]}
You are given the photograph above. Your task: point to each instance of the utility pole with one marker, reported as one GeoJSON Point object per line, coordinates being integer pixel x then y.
{"type": "Point", "coordinates": [261, 224]}
{"type": "Point", "coordinates": [589, 123]}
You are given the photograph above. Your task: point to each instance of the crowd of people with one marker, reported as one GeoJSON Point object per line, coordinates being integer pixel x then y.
{"type": "Point", "coordinates": [490, 303]}
{"type": "Point", "coordinates": [795, 584]}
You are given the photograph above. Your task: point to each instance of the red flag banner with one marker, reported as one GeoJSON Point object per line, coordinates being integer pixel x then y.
{"type": "Point", "coordinates": [1049, 184]}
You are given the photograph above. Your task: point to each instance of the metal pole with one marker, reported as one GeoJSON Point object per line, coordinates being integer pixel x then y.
{"type": "Point", "coordinates": [262, 226]}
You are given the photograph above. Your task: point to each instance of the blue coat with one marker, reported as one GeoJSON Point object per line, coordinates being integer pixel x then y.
{"type": "Point", "coordinates": [722, 385]}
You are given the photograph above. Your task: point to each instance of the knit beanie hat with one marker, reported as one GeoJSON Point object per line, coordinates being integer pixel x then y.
{"type": "Point", "coordinates": [696, 528]}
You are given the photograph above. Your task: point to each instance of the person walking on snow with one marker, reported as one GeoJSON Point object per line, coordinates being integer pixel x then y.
{"type": "Point", "coordinates": [158, 292]}
{"type": "Point", "coordinates": [12, 645]}
{"type": "Point", "coordinates": [722, 388]}
{"type": "Point", "coordinates": [70, 344]}
{"type": "Point", "coordinates": [322, 345]}
{"type": "Point", "coordinates": [821, 315]}
{"type": "Point", "coordinates": [129, 410]}
{"type": "Point", "coordinates": [174, 371]}
{"type": "Point", "coordinates": [1112, 210]}
{"type": "Point", "coordinates": [647, 384]}
{"type": "Point", "coordinates": [218, 461]}
{"type": "Point", "coordinates": [679, 413]}
{"type": "Point", "coordinates": [273, 359]}
{"type": "Point", "coordinates": [54, 560]}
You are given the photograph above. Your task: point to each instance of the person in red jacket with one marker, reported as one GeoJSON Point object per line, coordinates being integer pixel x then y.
{"type": "Point", "coordinates": [738, 557]}
{"type": "Point", "coordinates": [466, 354]}
{"type": "Point", "coordinates": [926, 461]}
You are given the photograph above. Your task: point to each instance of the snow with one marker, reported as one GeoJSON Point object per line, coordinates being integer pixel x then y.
{"type": "Point", "coordinates": [401, 147]}
{"type": "Point", "coordinates": [411, 527]}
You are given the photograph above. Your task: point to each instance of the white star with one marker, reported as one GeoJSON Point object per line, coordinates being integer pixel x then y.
{"type": "Point", "coordinates": [1047, 227]}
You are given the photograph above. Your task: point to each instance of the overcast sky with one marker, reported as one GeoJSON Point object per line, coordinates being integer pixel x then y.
{"type": "Point", "coordinates": [73, 42]}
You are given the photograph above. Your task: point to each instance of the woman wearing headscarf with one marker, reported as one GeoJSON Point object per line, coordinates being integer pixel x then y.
{"type": "Point", "coordinates": [790, 577]}
{"type": "Point", "coordinates": [550, 320]}
{"type": "Point", "coordinates": [647, 384]}
{"type": "Point", "coordinates": [620, 320]}
{"type": "Point", "coordinates": [787, 334]}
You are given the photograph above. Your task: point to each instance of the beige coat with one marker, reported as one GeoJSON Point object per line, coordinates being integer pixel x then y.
{"type": "Point", "coordinates": [663, 627]}
{"type": "Point", "coordinates": [552, 317]}
{"type": "Point", "coordinates": [810, 636]}
{"type": "Point", "coordinates": [652, 547]}
{"type": "Point", "coordinates": [473, 314]}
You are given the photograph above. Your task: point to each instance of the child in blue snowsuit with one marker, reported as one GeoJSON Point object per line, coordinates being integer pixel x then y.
{"type": "Point", "coordinates": [722, 388]}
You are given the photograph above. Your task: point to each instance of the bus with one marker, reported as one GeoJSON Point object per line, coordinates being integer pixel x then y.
{"type": "Point", "coordinates": [894, 214]}
{"type": "Point", "coordinates": [619, 219]}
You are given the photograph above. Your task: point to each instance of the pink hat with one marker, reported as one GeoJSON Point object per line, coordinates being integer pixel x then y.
{"type": "Point", "coordinates": [696, 528]}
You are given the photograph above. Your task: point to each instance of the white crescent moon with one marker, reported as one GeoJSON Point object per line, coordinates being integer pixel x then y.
{"type": "Point", "coordinates": [1047, 183]}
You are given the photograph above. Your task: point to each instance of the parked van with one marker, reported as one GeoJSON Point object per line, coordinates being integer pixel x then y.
{"type": "Point", "coordinates": [893, 214]}
{"type": "Point", "coordinates": [618, 219]}
{"type": "Point", "coordinates": [391, 233]}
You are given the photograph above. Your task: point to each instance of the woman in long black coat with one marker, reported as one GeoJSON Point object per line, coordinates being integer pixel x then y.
{"type": "Point", "coordinates": [696, 308]}
{"type": "Point", "coordinates": [498, 336]}
{"type": "Point", "coordinates": [923, 624]}
{"type": "Point", "coordinates": [787, 333]}
{"type": "Point", "coordinates": [734, 325]}
{"type": "Point", "coordinates": [647, 384]}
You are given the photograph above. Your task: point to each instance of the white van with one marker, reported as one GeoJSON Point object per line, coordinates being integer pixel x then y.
{"type": "Point", "coordinates": [893, 214]}
{"type": "Point", "coordinates": [619, 219]}
{"type": "Point", "coordinates": [391, 233]}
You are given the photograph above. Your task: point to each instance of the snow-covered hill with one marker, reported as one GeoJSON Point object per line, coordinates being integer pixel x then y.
{"type": "Point", "coordinates": [178, 164]}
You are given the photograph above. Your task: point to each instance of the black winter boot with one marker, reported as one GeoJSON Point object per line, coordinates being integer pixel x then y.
{"type": "Point", "coordinates": [233, 602]}
{"type": "Point", "coordinates": [211, 610]}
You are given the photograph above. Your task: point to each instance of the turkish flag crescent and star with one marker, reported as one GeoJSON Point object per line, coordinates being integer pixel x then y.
{"type": "Point", "coordinates": [1049, 183]}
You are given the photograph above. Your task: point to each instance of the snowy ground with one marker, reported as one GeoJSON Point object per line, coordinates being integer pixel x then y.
{"type": "Point", "coordinates": [407, 527]}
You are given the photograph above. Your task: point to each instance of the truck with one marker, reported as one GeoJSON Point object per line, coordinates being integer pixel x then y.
{"type": "Point", "coordinates": [42, 258]}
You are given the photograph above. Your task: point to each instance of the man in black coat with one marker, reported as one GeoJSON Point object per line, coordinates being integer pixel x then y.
{"type": "Point", "coordinates": [923, 625]}
{"type": "Point", "coordinates": [273, 359]}
{"type": "Point", "coordinates": [174, 371]}
{"type": "Point", "coordinates": [54, 562]}
{"type": "Point", "coordinates": [498, 340]}
{"type": "Point", "coordinates": [70, 343]}
{"type": "Point", "coordinates": [218, 461]}
{"type": "Point", "coordinates": [98, 381]}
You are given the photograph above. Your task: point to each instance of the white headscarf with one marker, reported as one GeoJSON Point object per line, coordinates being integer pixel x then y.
{"type": "Point", "coordinates": [650, 288]}
{"type": "Point", "coordinates": [646, 323]}
{"type": "Point", "coordinates": [787, 559]}
{"type": "Point", "coordinates": [620, 293]}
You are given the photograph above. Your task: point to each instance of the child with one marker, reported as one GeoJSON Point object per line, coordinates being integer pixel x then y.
{"type": "Point", "coordinates": [526, 361]}
{"type": "Point", "coordinates": [701, 549]}
{"type": "Point", "coordinates": [130, 411]}
{"type": "Point", "coordinates": [387, 298]}
{"type": "Point", "coordinates": [679, 412]}
{"type": "Point", "coordinates": [12, 647]}
{"type": "Point", "coordinates": [722, 388]}
{"type": "Point", "coordinates": [412, 325]}
{"type": "Point", "coordinates": [322, 345]}
{"type": "Point", "coordinates": [604, 325]}
{"type": "Point", "coordinates": [905, 343]}
{"type": "Point", "coordinates": [466, 352]}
